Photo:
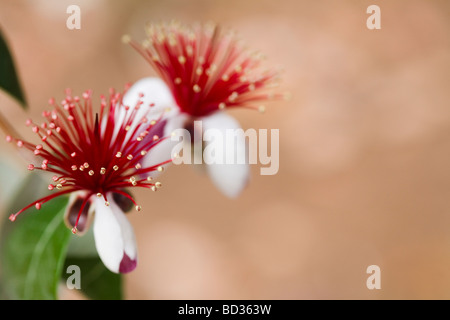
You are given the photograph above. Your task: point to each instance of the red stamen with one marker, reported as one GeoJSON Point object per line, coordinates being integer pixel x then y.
{"type": "Point", "coordinates": [206, 69]}
{"type": "Point", "coordinates": [85, 150]}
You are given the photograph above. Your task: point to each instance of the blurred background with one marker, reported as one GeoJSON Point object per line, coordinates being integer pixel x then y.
{"type": "Point", "coordinates": [364, 147]}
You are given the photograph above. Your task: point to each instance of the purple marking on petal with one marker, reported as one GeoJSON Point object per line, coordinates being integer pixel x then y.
{"type": "Point", "coordinates": [158, 129]}
{"type": "Point", "coordinates": [127, 264]}
{"type": "Point", "coordinates": [73, 214]}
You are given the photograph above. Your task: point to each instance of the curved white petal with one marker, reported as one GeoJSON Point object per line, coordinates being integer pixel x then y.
{"type": "Point", "coordinates": [114, 237]}
{"type": "Point", "coordinates": [156, 93]}
{"type": "Point", "coordinates": [164, 150]}
{"type": "Point", "coordinates": [231, 175]}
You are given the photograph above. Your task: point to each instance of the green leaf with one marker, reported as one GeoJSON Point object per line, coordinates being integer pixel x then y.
{"type": "Point", "coordinates": [97, 282]}
{"type": "Point", "coordinates": [9, 80]}
{"type": "Point", "coordinates": [33, 252]}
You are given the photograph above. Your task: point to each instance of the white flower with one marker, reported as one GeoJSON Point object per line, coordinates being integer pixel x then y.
{"type": "Point", "coordinates": [203, 72]}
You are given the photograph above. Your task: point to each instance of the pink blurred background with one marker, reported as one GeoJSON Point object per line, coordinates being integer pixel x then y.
{"type": "Point", "coordinates": [364, 146]}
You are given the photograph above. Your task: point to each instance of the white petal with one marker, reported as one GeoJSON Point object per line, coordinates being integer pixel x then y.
{"type": "Point", "coordinates": [155, 92]}
{"type": "Point", "coordinates": [163, 151]}
{"type": "Point", "coordinates": [231, 179]}
{"type": "Point", "coordinates": [114, 237]}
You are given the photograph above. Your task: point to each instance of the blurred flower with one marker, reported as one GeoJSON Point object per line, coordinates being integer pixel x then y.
{"type": "Point", "coordinates": [94, 156]}
{"type": "Point", "coordinates": [204, 72]}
